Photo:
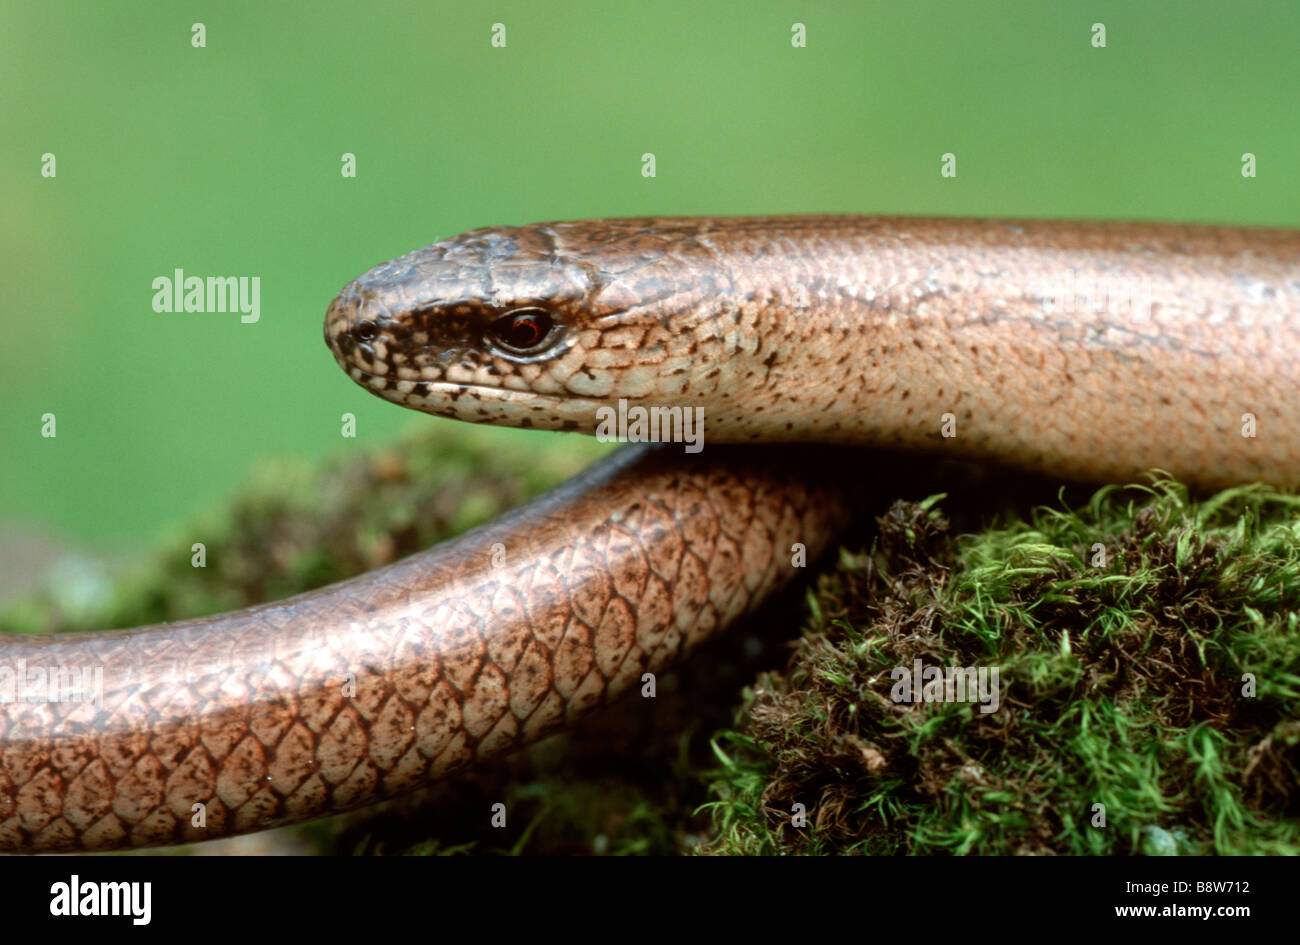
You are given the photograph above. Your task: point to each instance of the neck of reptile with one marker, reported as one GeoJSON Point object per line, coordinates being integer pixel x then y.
{"type": "Point", "coordinates": [1092, 352]}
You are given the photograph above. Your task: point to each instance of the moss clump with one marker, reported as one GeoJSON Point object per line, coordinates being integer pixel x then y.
{"type": "Point", "coordinates": [297, 526]}
{"type": "Point", "coordinates": [1148, 649]}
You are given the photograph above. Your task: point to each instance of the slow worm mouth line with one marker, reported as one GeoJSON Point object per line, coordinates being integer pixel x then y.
{"type": "Point", "coordinates": [453, 391]}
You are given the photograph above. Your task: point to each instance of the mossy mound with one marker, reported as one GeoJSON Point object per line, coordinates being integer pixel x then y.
{"type": "Point", "coordinates": [1148, 649]}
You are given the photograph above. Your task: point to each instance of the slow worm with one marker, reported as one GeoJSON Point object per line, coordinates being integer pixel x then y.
{"type": "Point", "coordinates": [1086, 351]}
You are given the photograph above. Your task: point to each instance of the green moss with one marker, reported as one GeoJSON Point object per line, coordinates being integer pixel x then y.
{"type": "Point", "coordinates": [1125, 682]}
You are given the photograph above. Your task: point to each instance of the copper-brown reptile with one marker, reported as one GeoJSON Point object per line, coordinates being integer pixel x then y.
{"type": "Point", "coordinates": [949, 336]}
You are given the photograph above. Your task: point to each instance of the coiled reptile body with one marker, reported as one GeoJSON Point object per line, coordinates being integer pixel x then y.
{"type": "Point", "coordinates": [1088, 351]}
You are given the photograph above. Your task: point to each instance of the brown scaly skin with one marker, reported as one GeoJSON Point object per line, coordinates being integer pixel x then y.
{"type": "Point", "coordinates": [866, 330]}
{"type": "Point", "coordinates": [619, 572]}
{"type": "Point", "coordinates": [841, 329]}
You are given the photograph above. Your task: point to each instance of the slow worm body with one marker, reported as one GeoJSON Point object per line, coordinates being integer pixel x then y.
{"type": "Point", "coordinates": [1088, 351]}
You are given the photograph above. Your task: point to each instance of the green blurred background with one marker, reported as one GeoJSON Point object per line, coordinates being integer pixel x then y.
{"type": "Point", "coordinates": [225, 160]}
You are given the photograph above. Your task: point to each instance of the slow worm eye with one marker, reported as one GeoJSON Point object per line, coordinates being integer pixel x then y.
{"type": "Point", "coordinates": [523, 330]}
{"type": "Point", "coordinates": [365, 330]}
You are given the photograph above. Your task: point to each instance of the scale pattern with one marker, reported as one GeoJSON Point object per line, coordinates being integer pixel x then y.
{"type": "Point", "coordinates": [373, 687]}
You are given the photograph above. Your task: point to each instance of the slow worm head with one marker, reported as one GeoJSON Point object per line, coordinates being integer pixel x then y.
{"type": "Point", "coordinates": [1085, 350]}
